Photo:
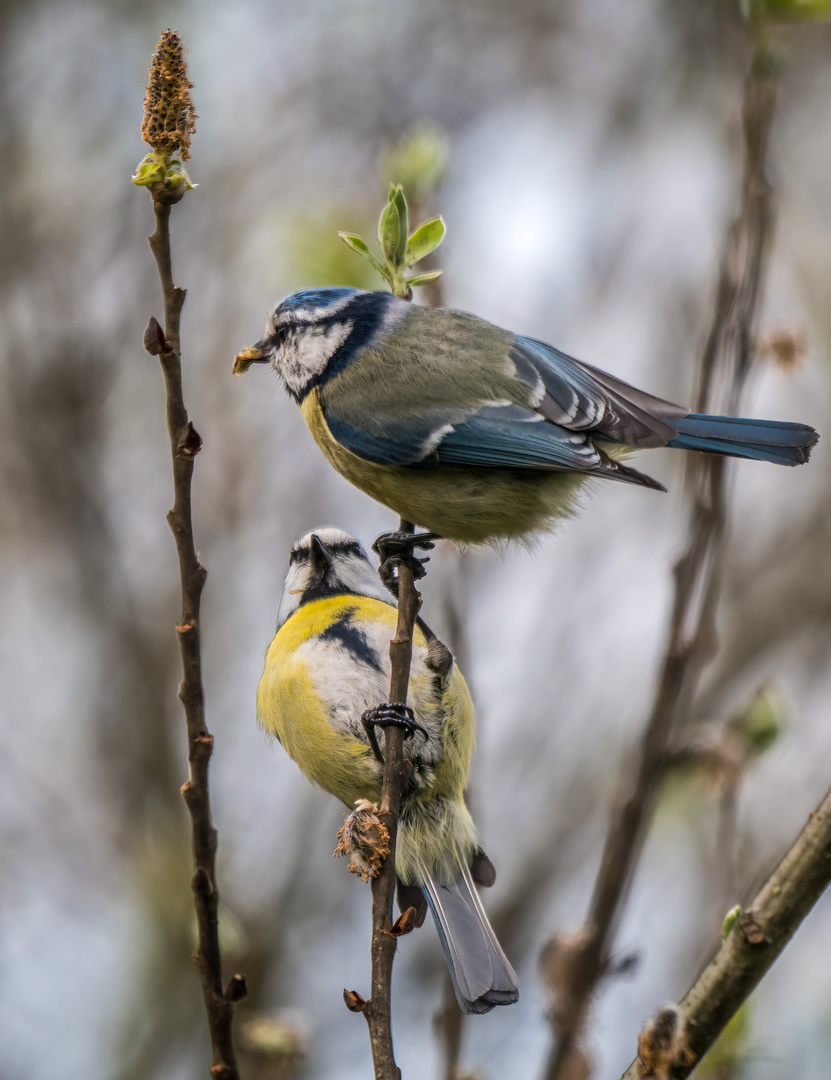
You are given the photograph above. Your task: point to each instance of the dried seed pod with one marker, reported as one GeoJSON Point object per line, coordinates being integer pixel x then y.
{"type": "Point", "coordinates": [364, 840]}
{"type": "Point", "coordinates": [169, 116]}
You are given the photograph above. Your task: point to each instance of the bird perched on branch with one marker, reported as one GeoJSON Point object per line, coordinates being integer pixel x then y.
{"type": "Point", "coordinates": [468, 430]}
{"type": "Point", "coordinates": [325, 672]}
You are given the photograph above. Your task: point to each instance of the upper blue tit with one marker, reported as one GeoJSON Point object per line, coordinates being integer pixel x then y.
{"type": "Point", "coordinates": [471, 431]}
{"type": "Point", "coordinates": [327, 666]}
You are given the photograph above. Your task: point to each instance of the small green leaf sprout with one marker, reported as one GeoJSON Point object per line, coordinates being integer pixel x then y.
{"type": "Point", "coordinates": [400, 248]}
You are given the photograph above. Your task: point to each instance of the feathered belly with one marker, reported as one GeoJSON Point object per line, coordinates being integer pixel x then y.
{"type": "Point", "coordinates": [470, 505]}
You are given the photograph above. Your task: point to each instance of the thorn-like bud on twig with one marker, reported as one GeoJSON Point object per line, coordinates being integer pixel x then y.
{"type": "Point", "coordinates": [236, 989]}
{"type": "Point", "coordinates": [201, 881]}
{"type": "Point", "coordinates": [169, 122]}
{"type": "Point", "coordinates": [154, 340]}
{"type": "Point", "coordinates": [354, 1001]}
{"type": "Point", "coordinates": [169, 118]}
{"type": "Point", "coordinates": [189, 442]}
{"type": "Point", "coordinates": [404, 924]}
{"type": "Point", "coordinates": [662, 1045]}
{"type": "Point", "coordinates": [754, 934]}
{"type": "Point", "coordinates": [364, 840]}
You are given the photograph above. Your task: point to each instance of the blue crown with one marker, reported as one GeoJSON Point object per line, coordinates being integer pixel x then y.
{"type": "Point", "coordinates": [311, 299]}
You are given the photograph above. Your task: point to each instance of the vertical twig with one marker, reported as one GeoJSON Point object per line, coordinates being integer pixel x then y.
{"type": "Point", "coordinates": [395, 240]}
{"type": "Point", "coordinates": [396, 771]}
{"type": "Point", "coordinates": [169, 122]}
{"type": "Point", "coordinates": [184, 444]}
{"type": "Point", "coordinates": [691, 637]}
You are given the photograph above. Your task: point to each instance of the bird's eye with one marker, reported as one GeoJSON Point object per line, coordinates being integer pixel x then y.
{"type": "Point", "coordinates": [278, 336]}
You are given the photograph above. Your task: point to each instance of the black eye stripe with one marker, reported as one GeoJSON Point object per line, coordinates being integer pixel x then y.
{"type": "Point", "coordinates": [353, 549]}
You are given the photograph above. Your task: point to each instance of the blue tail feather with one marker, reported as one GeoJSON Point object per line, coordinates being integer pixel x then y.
{"type": "Point", "coordinates": [777, 441]}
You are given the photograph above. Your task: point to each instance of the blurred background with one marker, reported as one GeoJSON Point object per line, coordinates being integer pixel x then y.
{"type": "Point", "coordinates": [586, 158]}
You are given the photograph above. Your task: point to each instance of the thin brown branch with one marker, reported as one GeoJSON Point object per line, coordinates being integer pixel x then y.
{"type": "Point", "coordinates": [757, 939]}
{"type": "Point", "coordinates": [396, 772]}
{"type": "Point", "coordinates": [184, 444]}
{"type": "Point", "coordinates": [691, 638]}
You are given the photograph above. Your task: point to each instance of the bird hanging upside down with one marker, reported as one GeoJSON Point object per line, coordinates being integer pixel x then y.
{"type": "Point", "coordinates": [470, 431]}
{"type": "Point", "coordinates": [325, 672]}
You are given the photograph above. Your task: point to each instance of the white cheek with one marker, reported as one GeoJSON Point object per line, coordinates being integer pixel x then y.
{"type": "Point", "coordinates": [307, 354]}
{"type": "Point", "coordinates": [296, 580]}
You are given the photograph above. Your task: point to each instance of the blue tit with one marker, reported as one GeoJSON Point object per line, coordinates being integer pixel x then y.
{"type": "Point", "coordinates": [325, 673]}
{"type": "Point", "coordinates": [468, 430]}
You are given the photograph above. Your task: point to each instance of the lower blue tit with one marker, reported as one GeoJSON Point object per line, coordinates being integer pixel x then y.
{"type": "Point", "coordinates": [468, 430]}
{"type": "Point", "coordinates": [329, 664]}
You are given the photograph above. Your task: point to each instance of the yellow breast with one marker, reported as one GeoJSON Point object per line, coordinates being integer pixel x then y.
{"type": "Point", "coordinates": [292, 699]}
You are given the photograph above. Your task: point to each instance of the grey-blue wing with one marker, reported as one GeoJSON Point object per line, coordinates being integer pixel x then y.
{"type": "Point", "coordinates": [583, 398]}
{"type": "Point", "coordinates": [405, 406]}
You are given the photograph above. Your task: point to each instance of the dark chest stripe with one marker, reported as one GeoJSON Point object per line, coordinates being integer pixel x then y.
{"type": "Point", "coordinates": [350, 637]}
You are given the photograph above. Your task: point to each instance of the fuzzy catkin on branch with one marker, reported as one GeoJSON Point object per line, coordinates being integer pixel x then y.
{"type": "Point", "coordinates": [698, 574]}
{"type": "Point", "coordinates": [169, 120]}
{"type": "Point", "coordinates": [169, 117]}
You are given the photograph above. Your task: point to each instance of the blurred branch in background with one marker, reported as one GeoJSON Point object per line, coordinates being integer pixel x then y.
{"type": "Point", "coordinates": [577, 963]}
{"type": "Point", "coordinates": [169, 121]}
{"type": "Point", "coordinates": [753, 939]}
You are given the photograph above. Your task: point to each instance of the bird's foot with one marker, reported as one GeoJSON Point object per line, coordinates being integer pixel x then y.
{"type": "Point", "coordinates": [390, 715]}
{"type": "Point", "coordinates": [396, 549]}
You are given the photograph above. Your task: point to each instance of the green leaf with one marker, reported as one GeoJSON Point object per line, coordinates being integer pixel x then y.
{"type": "Point", "coordinates": [425, 239]}
{"type": "Point", "coordinates": [424, 279]}
{"type": "Point", "coordinates": [176, 174]}
{"type": "Point", "coordinates": [730, 920]}
{"type": "Point", "coordinates": [359, 245]}
{"type": "Point", "coordinates": [391, 229]}
{"type": "Point", "coordinates": [149, 172]}
{"type": "Point", "coordinates": [397, 194]}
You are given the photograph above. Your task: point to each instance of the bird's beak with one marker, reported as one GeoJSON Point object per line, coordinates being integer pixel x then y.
{"type": "Point", "coordinates": [321, 555]}
{"type": "Point", "coordinates": [255, 355]}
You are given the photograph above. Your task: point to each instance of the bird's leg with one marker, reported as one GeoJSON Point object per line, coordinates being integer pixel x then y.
{"type": "Point", "coordinates": [397, 548]}
{"type": "Point", "coordinates": [387, 715]}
